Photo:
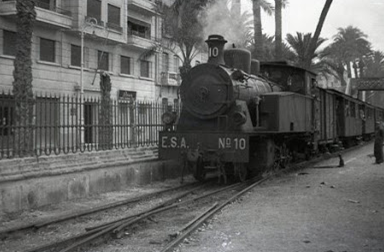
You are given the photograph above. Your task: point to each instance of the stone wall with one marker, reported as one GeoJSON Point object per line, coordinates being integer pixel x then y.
{"type": "Point", "coordinates": [34, 182]}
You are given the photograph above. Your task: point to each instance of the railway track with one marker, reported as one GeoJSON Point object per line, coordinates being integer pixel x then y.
{"type": "Point", "coordinates": [182, 210]}
{"type": "Point", "coordinates": [119, 228]}
{"type": "Point", "coordinates": [55, 228]}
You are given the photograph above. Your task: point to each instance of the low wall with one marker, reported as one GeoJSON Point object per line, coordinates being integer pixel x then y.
{"type": "Point", "coordinates": [29, 183]}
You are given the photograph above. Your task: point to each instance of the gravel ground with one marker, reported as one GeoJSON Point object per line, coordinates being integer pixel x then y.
{"type": "Point", "coordinates": [317, 209]}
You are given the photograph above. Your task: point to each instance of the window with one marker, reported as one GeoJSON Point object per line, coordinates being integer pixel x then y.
{"type": "Point", "coordinates": [45, 4]}
{"type": "Point", "coordinates": [113, 16]}
{"type": "Point", "coordinates": [145, 69]}
{"type": "Point", "coordinates": [139, 28]}
{"type": "Point", "coordinates": [75, 55]}
{"type": "Point", "coordinates": [47, 50]}
{"type": "Point", "coordinates": [165, 65]}
{"type": "Point", "coordinates": [125, 65]}
{"type": "Point", "coordinates": [103, 60]}
{"type": "Point", "coordinates": [94, 9]}
{"type": "Point", "coordinates": [176, 64]}
{"type": "Point", "coordinates": [9, 45]}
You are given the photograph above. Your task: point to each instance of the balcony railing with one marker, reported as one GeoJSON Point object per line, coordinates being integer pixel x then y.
{"type": "Point", "coordinates": [146, 7]}
{"type": "Point", "coordinates": [115, 27]}
{"type": "Point", "coordinates": [46, 13]}
{"type": "Point", "coordinates": [141, 41]}
{"type": "Point", "coordinates": [53, 8]}
{"type": "Point", "coordinates": [170, 79]}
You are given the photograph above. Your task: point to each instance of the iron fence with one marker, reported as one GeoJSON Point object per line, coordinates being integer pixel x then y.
{"type": "Point", "coordinates": [65, 124]}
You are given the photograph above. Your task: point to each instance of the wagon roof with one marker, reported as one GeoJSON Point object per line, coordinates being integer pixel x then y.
{"type": "Point", "coordinates": [285, 64]}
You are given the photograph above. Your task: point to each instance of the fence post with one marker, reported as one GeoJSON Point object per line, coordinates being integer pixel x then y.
{"type": "Point", "coordinates": [132, 120]}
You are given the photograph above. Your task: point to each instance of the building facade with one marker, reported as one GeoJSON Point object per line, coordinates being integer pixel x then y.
{"type": "Point", "coordinates": [118, 37]}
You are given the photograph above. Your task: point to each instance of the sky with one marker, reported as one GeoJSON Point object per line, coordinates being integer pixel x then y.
{"type": "Point", "coordinates": [303, 15]}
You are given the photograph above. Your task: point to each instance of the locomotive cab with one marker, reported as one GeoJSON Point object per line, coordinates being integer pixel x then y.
{"type": "Point", "coordinates": [290, 78]}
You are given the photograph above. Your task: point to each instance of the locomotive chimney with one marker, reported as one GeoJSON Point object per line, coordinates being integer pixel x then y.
{"type": "Point", "coordinates": [216, 49]}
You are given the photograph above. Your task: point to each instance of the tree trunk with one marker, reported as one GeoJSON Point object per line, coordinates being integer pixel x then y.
{"type": "Point", "coordinates": [105, 113]}
{"type": "Point", "coordinates": [278, 29]}
{"type": "Point", "coordinates": [258, 35]}
{"type": "Point", "coordinates": [22, 74]}
{"type": "Point", "coordinates": [340, 72]}
{"type": "Point", "coordinates": [184, 69]}
{"type": "Point", "coordinates": [312, 46]}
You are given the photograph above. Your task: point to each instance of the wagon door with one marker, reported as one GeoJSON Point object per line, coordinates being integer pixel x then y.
{"type": "Point", "coordinates": [340, 116]}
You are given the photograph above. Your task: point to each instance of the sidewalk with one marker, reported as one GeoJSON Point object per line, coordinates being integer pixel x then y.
{"type": "Point", "coordinates": [316, 209]}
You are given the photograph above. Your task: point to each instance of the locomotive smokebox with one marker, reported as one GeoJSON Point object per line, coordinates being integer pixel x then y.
{"type": "Point", "coordinates": [216, 49]}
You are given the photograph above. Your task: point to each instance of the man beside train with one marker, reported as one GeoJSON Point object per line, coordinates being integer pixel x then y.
{"type": "Point", "coordinates": [378, 146]}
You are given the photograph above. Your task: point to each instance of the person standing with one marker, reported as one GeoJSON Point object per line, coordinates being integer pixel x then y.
{"type": "Point", "coordinates": [378, 146]}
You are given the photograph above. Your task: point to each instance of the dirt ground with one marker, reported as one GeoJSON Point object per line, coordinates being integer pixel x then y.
{"type": "Point", "coordinates": [317, 209]}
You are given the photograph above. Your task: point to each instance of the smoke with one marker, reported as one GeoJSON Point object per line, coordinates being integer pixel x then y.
{"type": "Point", "coordinates": [221, 20]}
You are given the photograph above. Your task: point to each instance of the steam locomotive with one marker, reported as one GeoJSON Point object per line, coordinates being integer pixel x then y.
{"type": "Point", "coordinates": [240, 116]}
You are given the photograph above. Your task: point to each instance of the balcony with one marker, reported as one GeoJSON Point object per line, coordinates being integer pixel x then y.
{"type": "Point", "coordinates": [141, 42]}
{"type": "Point", "coordinates": [170, 79]}
{"type": "Point", "coordinates": [48, 14]}
{"type": "Point", "coordinates": [114, 27]}
{"type": "Point", "coordinates": [145, 7]}
{"type": "Point", "coordinates": [7, 8]}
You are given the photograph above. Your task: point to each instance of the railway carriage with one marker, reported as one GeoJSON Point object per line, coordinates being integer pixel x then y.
{"type": "Point", "coordinates": [241, 117]}
{"type": "Point", "coordinates": [368, 120]}
{"type": "Point", "coordinates": [326, 112]}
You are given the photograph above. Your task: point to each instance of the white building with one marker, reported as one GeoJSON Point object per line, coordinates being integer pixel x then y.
{"type": "Point", "coordinates": [116, 35]}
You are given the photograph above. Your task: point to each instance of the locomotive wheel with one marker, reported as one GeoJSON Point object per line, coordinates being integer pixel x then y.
{"type": "Point", "coordinates": [282, 156]}
{"type": "Point", "coordinates": [286, 156]}
{"type": "Point", "coordinates": [197, 169]}
{"type": "Point", "coordinates": [241, 171]}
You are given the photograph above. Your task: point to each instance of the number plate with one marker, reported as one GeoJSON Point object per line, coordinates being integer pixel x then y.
{"type": "Point", "coordinates": [233, 147]}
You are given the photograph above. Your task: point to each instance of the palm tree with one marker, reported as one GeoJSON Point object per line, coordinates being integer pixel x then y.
{"type": "Point", "coordinates": [374, 67]}
{"type": "Point", "coordinates": [22, 85]}
{"type": "Point", "coordinates": [279, 5]}
{"type": "Point", "coordinates": [257, 5]}
{"type": "Point", "coordinates": [300, 44]}
{"type": "Point", "coordinates": [182, 21]}
{"type": "Point", "coordinates": [374, 64]}
{"type": "Point", "coordinates": [269, 50]}
{"type": "Point", "coordinates": [349, 44]}
{"type": "Point", "coordinates": [312, 47]}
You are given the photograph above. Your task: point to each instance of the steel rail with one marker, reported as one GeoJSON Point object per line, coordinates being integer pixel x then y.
{"type": "Point", "coordinates": [209, 214]}
{"type": "Point", "coordinates": [113, 227]}
{"type": "Point", "coordinates": [40, 224]}
{"type": "Point", "coordinates": [100, 230]}
{"type": "Point", "coordinates": [116, 228]}
{"type": "Point", "coordinates": [168, 202]}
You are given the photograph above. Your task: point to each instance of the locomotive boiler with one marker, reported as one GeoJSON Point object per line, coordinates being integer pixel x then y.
{"type": "Point", "coordinates": [238, 116]}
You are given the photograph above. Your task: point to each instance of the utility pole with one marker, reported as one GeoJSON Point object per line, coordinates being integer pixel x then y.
{"type": "Point", "coordinates": [88, 22]}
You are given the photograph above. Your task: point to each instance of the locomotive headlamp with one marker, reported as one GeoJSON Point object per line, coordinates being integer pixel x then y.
{"type": "Point", "coordinates": [168, 118]}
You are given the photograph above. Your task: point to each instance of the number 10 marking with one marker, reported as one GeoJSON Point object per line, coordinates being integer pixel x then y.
{"type": "Point", "coordinates": [213, 52]}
